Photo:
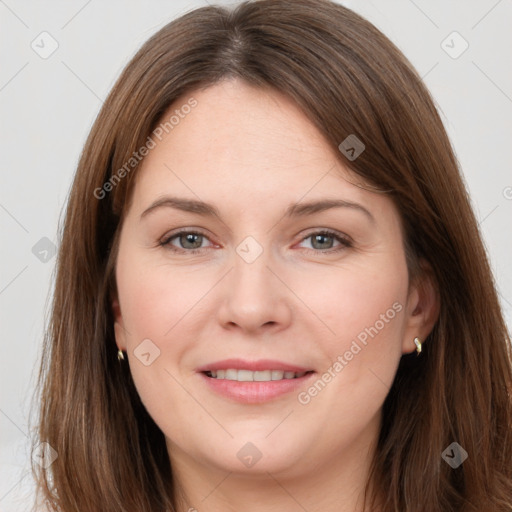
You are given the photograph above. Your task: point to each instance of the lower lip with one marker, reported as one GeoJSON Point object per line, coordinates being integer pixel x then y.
{"type": "Point", "coordinates": [255, 392]}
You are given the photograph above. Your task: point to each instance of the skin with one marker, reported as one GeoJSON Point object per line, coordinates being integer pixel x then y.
{"type": "Point", "coordinates": [251, 153]}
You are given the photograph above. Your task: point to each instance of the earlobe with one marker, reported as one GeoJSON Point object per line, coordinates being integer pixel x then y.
{"type": "Point", "coordinates": [423, 306]}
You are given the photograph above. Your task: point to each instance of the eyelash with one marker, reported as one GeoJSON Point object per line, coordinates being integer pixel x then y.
{"type": "Point", "coordinates": [345, 242]}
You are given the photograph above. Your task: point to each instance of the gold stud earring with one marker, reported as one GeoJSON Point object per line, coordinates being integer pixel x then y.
{"type": "Point", "coordinates": [120, 355]}
{"type": "Point", "coordinates": [417, 342]}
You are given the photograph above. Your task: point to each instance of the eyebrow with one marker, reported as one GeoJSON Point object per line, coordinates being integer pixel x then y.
{"type": "Point", "coordinates": [293, 210]}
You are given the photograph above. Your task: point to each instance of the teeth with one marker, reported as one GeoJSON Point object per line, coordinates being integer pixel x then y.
{"type": "Point", "coordinates": [263, 376]}
{"type": "Point", "coordinates": [232, 374]}
{"type": "Point", "coordinates": [244, 376]}
{"type": "Point", "coordinates": [250, 376]}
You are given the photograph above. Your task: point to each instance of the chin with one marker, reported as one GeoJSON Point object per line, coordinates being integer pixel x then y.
{"type": "Point", "coordinates": [255, 455]}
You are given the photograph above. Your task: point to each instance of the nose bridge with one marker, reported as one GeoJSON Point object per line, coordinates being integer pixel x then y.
{"type": "Point", "coordinates": [251, 279]}
{"type": "Point", "coordinates": [253, 295]}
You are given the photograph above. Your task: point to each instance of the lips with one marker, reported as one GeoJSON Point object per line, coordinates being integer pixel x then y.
{"type": "Point", "coordinates": [254, 381]}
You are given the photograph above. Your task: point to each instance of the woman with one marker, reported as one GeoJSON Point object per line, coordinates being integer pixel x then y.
{"type": "Point", "coordinates": [331, 338]}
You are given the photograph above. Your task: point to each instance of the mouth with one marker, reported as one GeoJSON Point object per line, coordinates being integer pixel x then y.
{"type": "Point", "coordinates": [244, 375]}
{"type": "Point", "coordinates": [253, 382]}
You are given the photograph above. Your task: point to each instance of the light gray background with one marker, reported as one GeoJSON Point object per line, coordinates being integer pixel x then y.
{"type": "Point", "coordinates": [47, 107]}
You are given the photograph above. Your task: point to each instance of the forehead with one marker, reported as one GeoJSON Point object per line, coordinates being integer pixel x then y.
{"type": "Point", "coordinates": [234, 121]}
{"type": "Point", "coordinates": [243, 146]}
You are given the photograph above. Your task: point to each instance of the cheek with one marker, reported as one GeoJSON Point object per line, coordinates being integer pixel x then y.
{"type": "Point", "coordinates": [369, 340]}
{"type": "Point", "coordinates": [360, 303]}
{"type": "Point", "coordinates": [365, 309]}
{"type": "Point", "coordinates": [156, 300]}
{"type": "Point", "coordinates": [156, 303]}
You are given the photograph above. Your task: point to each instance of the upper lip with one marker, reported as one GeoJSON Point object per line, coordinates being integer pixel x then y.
{"type": "Point", "coordinates": [259, 365]}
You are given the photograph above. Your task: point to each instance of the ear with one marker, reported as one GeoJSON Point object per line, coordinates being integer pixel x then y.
{"type": "Point", "coordinates": [119, 329]}
{"type": "Point", "coordinates": [423, 305]}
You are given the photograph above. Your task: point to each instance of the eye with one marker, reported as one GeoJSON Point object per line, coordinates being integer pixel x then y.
{"type": "Point", "coordinates": [192, 242]}
{"type": "Point", "coordinates": [322, 241]}
{"type": "Point", "coordinates": [189, 241]}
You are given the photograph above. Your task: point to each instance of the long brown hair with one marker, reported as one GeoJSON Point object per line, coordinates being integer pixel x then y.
{"type": "Point", "coordinates": [348, 78]}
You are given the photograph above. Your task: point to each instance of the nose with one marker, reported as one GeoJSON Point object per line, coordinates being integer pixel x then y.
{"type": "Point", "coordinates": [254, 296]}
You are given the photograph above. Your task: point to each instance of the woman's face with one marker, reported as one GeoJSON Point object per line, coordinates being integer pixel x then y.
{"type": "Point", "coordinates": [272, 280]}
